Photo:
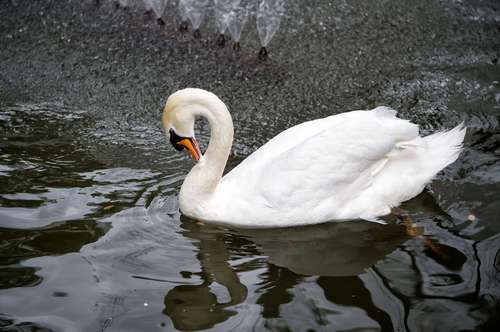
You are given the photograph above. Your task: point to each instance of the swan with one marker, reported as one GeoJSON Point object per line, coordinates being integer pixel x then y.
{"type": "Point", "coordinates": [354, 165]}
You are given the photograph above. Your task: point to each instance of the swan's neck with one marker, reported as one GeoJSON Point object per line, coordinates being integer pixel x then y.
{"type": "Point", "coordinates": [201, 182]}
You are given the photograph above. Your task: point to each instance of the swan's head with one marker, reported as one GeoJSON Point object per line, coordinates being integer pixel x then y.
{"type": "Point", "coordinates": [178, 120]}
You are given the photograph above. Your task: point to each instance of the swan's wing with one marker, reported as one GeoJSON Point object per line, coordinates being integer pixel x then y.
{"type": "Point", "coordinates": [339, 160]}
{"type": "Point", "coordinates": [284, 141]}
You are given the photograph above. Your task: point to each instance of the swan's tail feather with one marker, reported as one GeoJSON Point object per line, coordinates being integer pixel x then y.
{"type": "Point", "coordinates": [444, 147]}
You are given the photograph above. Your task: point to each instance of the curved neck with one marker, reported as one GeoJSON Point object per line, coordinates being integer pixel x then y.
{"type": "Point", "coordinates": [203, 179]}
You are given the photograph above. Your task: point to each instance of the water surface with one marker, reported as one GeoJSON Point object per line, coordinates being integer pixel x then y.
{"type": "Point", "coordinates": [91, 238]}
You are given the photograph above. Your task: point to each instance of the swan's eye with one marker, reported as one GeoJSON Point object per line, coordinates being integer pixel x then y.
{"type": "Point", "coordinates": [175, 139]}
{"type": "Point", "coordinates": [185, 143]}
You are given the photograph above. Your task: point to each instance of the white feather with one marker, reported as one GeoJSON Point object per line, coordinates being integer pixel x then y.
{"type": "Point", "coordinates": [352, 165]}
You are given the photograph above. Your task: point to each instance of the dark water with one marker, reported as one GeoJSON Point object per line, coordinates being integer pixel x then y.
{"type": "Point", "coordinates": [91, 238]}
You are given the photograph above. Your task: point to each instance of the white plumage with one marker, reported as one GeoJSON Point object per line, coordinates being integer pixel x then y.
{"type": "Point", "coordinates": [353, 165]}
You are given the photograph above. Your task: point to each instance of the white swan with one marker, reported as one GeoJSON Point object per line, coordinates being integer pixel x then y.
{"type": "Point", "coordinates": [353, 165]}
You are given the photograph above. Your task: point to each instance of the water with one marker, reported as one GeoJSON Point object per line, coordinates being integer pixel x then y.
{"type": "Point", "coordinates": [91, 238]}
{"type": "Point", "coordinates": [240, 11]}
{"type": "Point", "coordinates": [158, 6]}
{"type": "Point", "coordinates": [222, 11]}
{"type": "Point", "coordinates": [269, 16]}
{"type": "Point", "coordinates": [125, 3]}
{"type": "Point", "coordinates": [195, 11]}
{"type": "Point", "coordinates": [229, 14]}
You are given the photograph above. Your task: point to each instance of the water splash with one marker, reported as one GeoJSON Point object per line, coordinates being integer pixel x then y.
{"type": "Point", "coordinates": [222, 14]}
{"type": "Point", "coordinates": [184, 16]}
{"type": "Point", "coordinates": [157, 6]}
{"type": "Point", "coordinates": [148, 4]}
{"type": "Point", "coordinates": [269, 14]}
{"type": "Point", "coordinates": [125, 3]}
{"type": "Point", "coordinates": [238, 17]}
{"type": "Point", "coordinates": [194, 10]}
{"type": "Point", "coordinates": [230, 15]}
{"type": "Point", "coordinates": [183, 10]}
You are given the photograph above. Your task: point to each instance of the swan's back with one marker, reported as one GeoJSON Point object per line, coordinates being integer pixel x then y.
{"type": "Point", "coordinates": [352, 165]}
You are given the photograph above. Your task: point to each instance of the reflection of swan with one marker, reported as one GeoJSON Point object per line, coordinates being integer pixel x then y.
{"type": "Point", "coordinates": [194, 307]}
{"type": "Point", "coordinates": [352, 165]}
{"type": "Point", "coordinates": [348, 249]}
{"type": "Point", "coordinates": [293, 252]}
{"type": "Point", "coordinates": [331, 249]}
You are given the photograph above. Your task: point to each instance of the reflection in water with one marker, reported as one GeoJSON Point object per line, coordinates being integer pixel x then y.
{"type": "Point", "coordinates": [275, 288]}
{"type": "Point", "coordinates": [354, 293]}
{"type": "Point", "coordinates": [19, 245]}
{"type": "Point", "coordinates": [354, 266]}
{"type": "Point", "coordinates": [336, 251]}
{"type": "Point", "coordinates": [329, 249]}
{"type": "Point", "coordinates": [184, 302]}
{"type": "Point", "coordinates": [342, 250]}
{"type": "Point", "coordinates": [489, 288]}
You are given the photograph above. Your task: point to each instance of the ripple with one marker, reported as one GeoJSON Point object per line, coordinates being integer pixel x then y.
{"type": "Point", "coordinates": [440, 280]}
{"type": "Point", "coordinates": [99, 243]}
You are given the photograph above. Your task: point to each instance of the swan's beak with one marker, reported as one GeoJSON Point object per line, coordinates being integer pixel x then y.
{"type": "Point", "coordinates": [191, 144]}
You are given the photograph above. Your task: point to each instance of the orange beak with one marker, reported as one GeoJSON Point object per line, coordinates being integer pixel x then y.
{"type": "Point", "coordinates": [192, 146]}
